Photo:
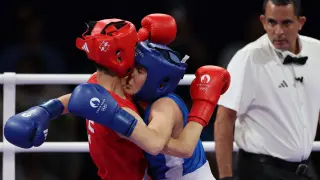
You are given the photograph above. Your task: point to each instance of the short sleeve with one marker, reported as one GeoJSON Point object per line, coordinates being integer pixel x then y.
{"type": "Point", "coordinates": [242, 87]}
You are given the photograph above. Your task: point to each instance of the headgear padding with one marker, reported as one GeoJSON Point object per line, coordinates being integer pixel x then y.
{"type": "Point", "coordinates": [164, 67]}
{"type": "Point", "coordinates": [111, 44]}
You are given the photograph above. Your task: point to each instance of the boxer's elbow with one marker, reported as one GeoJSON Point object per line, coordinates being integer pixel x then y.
{"type": "Point", "coordinates": [158, 139]}
{"type": "Point", "coordinates": [184, 153]}
{"type": "Point", "coordinates": [151, 141]}
{"type": "Point", "coordinates": [154, 151]}
{"type": "Point", "coordinates": [148, 145]}
{"type": "Point", "coordinates": [157, 146]}
{"type": "Point", "coordinates": [187, 152]}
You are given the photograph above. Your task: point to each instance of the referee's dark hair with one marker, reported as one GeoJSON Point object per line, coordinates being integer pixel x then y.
{"type": "Point", "coordinates": [296, 5]}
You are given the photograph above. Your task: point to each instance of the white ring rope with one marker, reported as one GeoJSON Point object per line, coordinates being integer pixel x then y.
{"type": "Point", "coordinates": [10, 80]}
{"type": "Point", "coordinates": [66, 78]}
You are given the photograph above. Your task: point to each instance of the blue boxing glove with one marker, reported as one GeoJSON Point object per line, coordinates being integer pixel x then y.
{"type": "Point", "coordinates": [30, 128]}
{"type": "Point", "coordinates": [93, 102]}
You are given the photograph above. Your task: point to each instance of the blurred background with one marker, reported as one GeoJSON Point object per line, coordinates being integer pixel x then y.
{"type": "Point", "coordinates": [39, 37]}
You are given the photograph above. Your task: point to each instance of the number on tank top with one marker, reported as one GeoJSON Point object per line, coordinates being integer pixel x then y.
{"type": "Point", "coordinates": [90, 127]}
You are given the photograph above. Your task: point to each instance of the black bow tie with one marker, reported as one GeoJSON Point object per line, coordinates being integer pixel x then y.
{"type": "Point", "coordinates": [295, 60]}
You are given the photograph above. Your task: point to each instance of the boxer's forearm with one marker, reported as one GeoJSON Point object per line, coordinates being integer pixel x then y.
{"type": "Point", "coordinates": [148, 138]}
{"type": "Point", "coordinates": [65, 100]}
{"type": "Point", "coordinates": [184, 145]}
{"type": "Point", "coordinates": [223, 138]}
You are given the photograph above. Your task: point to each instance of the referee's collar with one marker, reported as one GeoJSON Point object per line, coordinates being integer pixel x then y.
{"type": "Point", "coordinates": [282, 54]}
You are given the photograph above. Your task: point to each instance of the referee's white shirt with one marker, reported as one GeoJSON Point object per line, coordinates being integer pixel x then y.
{"type": "Point", "coordinates": [277, 115]}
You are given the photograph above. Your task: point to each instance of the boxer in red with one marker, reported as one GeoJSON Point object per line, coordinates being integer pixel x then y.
{"type": "Point", "coordinates": [110, 45]}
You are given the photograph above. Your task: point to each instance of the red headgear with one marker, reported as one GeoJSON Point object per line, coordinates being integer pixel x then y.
{"type": "Point", "coordinates": [111, 44]}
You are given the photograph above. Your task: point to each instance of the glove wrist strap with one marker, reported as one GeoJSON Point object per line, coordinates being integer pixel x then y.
{"type": "Point", "coordinates": [54, 107]}
{"type": "Point", "coordinates": [123, 123]}
{"type": "Point", "coordinates": [197, 119]}
{"type": "Point", "coordinates": [202, 109]}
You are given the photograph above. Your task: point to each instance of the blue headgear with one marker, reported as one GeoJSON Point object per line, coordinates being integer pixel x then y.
{"type": "Point", "coordinates": [164, 68]}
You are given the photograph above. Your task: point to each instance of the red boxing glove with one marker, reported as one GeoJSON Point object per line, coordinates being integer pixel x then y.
{"type": "Point", "coordinates": [159, 28]}
{"type": "Point", "coordinates": [205, 91]}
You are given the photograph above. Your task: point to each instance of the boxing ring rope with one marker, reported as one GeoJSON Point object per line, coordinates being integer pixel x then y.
{"type": "Point", "coordinates": [10, 80]}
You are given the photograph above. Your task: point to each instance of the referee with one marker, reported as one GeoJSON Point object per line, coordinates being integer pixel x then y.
{"type": "Point", "coordinates": [271, 109]}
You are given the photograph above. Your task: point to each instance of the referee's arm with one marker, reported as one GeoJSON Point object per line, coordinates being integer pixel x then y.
{"type": "Point", "coordinates": [232, 104]}
{"type": "Point", "coordinates": [223, 137]}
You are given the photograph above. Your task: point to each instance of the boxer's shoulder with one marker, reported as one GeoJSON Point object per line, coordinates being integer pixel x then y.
{"type": "Point", "coordinates": [167, 103]}
{"type": "Point", "coordinates": [122, 102]}
{"type": "Point", "coordinates": [169, 106]}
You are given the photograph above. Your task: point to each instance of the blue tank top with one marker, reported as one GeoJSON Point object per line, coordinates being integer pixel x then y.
{"type": "Point", "coordinates": [164, 166]}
